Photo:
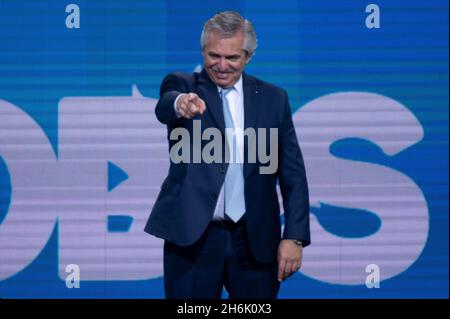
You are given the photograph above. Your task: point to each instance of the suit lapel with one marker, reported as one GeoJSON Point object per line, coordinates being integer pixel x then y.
{"type": "Point", "coordinates": [251, 102]}
{"type": "Point", "coordinates": [212, 99]}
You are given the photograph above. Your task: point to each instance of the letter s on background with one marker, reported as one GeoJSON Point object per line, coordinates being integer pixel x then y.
{"type": "Point", "coordinates": [395, 198]}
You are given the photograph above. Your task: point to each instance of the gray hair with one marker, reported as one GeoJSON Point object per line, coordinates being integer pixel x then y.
{"type": "Point", "coordinates": [228, 23]}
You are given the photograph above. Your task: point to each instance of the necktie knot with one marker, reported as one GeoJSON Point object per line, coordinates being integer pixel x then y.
{"type": "Point", "coordinates": [224, 92]}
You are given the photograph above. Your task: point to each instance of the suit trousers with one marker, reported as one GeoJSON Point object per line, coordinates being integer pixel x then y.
{"type": "Point", "coordinates": [221, 258]}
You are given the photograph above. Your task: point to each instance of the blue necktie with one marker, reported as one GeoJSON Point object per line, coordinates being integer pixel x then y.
{"type": "Point", "coordinates": [234, 178]}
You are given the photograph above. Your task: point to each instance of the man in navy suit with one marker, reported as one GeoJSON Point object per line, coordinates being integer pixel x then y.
{"type": "Point", "coordinates": [221, 219]}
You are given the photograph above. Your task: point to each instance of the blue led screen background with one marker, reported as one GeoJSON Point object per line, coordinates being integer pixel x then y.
{"type": "Point", "coordinates": [82, 155]}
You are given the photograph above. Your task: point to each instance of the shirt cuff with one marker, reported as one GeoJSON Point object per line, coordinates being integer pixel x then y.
{"type": "Point", "coordinates": [175, 105]}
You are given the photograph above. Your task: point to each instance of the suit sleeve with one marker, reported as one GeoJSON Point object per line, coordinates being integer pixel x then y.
{"type": "Point", "coordinates": [292, 180]}
{"type": "Point", "coordinates": [171, 87]}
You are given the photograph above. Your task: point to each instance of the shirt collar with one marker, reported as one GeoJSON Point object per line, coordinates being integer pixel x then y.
{"type": "Point", "coordinates": [237, 86]}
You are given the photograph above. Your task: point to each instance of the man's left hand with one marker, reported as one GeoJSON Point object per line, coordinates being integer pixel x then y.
{"type": "Point", "coordinates": [289, 258]}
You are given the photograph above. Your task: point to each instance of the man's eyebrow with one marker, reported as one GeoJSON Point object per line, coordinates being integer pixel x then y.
{"type": "Point", "coordinates": [232, 56]}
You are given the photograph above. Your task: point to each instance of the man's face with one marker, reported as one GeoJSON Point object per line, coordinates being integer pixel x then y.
{"type": "Point", "coordinates": [224, 58]}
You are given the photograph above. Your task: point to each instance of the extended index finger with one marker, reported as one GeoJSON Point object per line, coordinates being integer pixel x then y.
{"type": "Point", "coordinates": [192, 97]}
{"type": "Point", "coordinates": [198, 102]}
{"type": "Point", "coordinates": [202, 105]}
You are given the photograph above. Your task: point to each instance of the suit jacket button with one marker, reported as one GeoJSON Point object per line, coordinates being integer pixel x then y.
{"type": "Point", "coordinates": [222, 169]}
{"type": "Point", "coordinates": [214, 196]}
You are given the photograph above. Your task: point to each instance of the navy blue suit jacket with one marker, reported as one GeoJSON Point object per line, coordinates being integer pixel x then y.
{"type": "Point", "coordinates": [188, 196]}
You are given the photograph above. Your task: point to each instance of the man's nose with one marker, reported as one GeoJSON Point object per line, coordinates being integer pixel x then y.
{"type": "Point", "coordinates": [223, 64]}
